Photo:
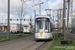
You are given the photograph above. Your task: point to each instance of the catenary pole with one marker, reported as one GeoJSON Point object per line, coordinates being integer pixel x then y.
{"type": "Point", "coordinates": [8, 30]}
{"type": "Point", "coordinates": [68, 19]}
{"type": "Point", "coordinates": [64, 14]}
{"type": "Point", "coordinates": [34, 20]}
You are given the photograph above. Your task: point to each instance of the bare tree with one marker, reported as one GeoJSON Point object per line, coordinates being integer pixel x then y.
{"type": "Point", "coordinates": [21, 11]}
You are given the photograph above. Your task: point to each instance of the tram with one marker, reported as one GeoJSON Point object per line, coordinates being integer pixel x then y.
{"type": "Point", "coordinates": [44, 26]}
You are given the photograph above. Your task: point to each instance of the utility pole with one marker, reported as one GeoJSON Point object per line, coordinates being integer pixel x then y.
{"type": "Point", "coordinates": [8, 31]}
{"type": "Point", "coordinates": [64, 14]}
{"type": "Point", "coordinates": [68, 19]}
{"type": "Point", "coordinates": [58, 21]}
{"type": "Point", "coordinates": [30, 23]}
{"type": "Point", "coordinates": [34, 20]}
{"type": "Point", "coordinates": [71, 12]}
{"type": "Point", "coordinates": [53, 20]}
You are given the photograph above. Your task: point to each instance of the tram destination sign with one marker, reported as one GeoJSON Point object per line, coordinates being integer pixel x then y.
{"type": "Point", "coordinates": [42, 19]}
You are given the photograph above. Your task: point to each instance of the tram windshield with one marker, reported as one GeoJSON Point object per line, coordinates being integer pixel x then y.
{"type": "Point", "coordinates": [42, 25]}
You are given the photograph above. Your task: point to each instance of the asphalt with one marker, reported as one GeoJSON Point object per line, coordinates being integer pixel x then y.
{"type": "Point", "coordinates": [26, 43]}
{"type": "Point", "coordinates": [4, 34]}
{"type": "Point", "coordinates": [17, 44]}
{"type": "Point", "coordinates": [72, 36]}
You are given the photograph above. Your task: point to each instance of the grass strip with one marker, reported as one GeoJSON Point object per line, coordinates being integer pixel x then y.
{"type": "Point", "coordinates": [57, 46]}
{"type": "Point", "coordinates": [14, 37]}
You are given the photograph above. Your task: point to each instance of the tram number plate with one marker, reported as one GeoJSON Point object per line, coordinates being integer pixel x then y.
{"type": "Point", "coordinates": [41, 34]}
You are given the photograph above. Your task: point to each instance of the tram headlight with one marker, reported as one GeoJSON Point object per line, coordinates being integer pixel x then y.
{"type": "Point", "coordinates": [46, 35]}
{"type": "Point", "coordinates": [37, 35]}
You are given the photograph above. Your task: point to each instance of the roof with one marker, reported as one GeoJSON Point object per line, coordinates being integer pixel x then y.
{"type": "Point", "coordinates": [45, 16]}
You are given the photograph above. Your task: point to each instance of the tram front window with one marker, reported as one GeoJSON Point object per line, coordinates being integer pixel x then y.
{"type": "Point", "coordinates": [39, 27]}
{"type": "Point", "coordinates": [42, 26]}
{"type": "Point", "coordinates": [47, 27]}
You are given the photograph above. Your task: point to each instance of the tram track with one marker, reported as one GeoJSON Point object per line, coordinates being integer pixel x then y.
{"type": "Point", "coordinates": [35, 46]}
{"type": "Point", "coordinates": [41, 46]}
{"type": "Point", "coordinates": [29, 46]}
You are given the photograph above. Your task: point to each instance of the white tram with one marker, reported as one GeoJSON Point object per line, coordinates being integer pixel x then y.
{"type": "Point", "coordinates": [44, 26]}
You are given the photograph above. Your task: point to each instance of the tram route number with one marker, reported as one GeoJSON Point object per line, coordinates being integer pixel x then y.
{"type": "Point", "coordinates": [41, 34]}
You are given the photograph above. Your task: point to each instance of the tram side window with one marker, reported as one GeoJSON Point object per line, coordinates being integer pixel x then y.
{"type": "Point", "coordinates": [46, 26]}
{"type": "Point", "coordinates": [51, 27]}
{"type": "Point", "coordinates": [37, 27]}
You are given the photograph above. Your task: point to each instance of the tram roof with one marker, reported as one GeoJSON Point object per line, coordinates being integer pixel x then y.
{"type": "Point", "coordinates": [43, 16]}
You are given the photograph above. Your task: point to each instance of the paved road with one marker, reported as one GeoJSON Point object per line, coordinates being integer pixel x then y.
{"type": "Point", "coordinates": [72, 36]}
{"type": "Point", "coordinates": [4, 34]}
{"type": "Point", "coordinates": [19, 44]}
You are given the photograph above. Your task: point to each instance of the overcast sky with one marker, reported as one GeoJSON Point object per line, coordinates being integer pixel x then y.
{"type": "Point", "coordinates": [15, 4]}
